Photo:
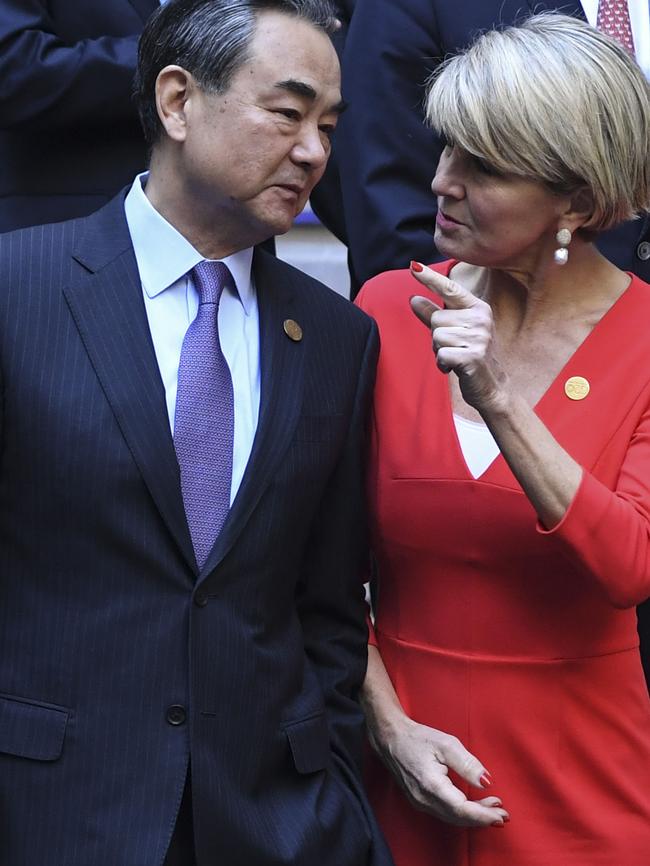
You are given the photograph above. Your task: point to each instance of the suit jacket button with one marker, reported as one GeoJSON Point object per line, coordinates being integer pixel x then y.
{"type": "Point", "coordinates": [200, 599]}
{"type": "Point", "coordinates": [176, 715]}
{"type": "Point", "coordinates": [643, 251]}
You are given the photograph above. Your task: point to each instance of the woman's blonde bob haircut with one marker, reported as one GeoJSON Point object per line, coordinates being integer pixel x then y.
{"type": "Point", "coordinates": [553, 100]}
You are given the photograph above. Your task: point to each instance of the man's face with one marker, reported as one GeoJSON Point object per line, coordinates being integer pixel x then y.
{"type": "Point", "coordinates": [252, 155]}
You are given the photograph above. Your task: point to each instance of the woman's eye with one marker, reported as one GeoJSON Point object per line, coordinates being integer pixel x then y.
{"type": "Point", "coordinates": [485, 167]}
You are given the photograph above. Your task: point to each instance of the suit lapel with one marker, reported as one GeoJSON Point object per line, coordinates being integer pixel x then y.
{"type": "Point", "coordinates": [144, 8]}
{"type": "Point", "coordinates": [105, 298]}
{"type": "Point", "coordinates": [282, 372]}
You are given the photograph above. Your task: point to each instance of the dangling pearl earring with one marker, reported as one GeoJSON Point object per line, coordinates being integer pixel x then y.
{"type": "Point", "coordinates": [561, 254]}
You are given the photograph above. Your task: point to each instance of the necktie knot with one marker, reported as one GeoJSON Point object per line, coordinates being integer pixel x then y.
{"type": "Point", "coordinates": [210, 279]}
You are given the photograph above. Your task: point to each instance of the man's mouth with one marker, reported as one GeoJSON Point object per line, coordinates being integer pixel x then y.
{"type": "Point", "coordinates": [295, 188]}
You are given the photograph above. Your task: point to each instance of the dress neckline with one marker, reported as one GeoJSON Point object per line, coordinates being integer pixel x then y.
{"type": "Point", "coordinates": [554, 398]}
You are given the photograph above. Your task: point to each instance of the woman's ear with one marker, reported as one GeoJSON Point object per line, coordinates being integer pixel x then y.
{"type": "Point", "coordinates": [581, 210]}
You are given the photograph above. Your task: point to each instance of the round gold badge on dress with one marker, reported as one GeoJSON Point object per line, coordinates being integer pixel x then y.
{"type": "Point", "coordinates": [292, 330]}
{"type": "Point", "coordinates": [576, 388]}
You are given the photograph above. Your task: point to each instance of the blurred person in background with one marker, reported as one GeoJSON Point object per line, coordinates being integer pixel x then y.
{"type": "Point", "coordinates": [70, 138]}
{"type": "Point", "coordinates": [385, 152]}
{"type": "Point", "coordinates": [510, 472]}
{"type": "Point", "coordinates": [326, 199]}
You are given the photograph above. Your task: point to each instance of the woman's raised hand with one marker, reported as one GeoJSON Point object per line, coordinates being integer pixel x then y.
{"type": "Point", "coordinates": [463, 337]}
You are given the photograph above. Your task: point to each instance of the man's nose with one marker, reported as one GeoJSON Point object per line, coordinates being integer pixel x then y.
{"type": "Point", "coordinates": [312, 148]}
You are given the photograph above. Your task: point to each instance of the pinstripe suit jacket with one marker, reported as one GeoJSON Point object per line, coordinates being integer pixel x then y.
{"type": "Point", "coordinates": [105, 621]}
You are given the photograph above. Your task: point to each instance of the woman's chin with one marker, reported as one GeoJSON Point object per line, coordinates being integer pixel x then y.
{"type": "Point", "coordinates": [446, 246]}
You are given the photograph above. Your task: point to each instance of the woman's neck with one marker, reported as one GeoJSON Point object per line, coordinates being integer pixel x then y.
{"type": "Point", "coordinates": [523, 298]}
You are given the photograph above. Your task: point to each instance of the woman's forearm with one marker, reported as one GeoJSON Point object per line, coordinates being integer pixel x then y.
{"type": "Point", "coordinates": [380, 703]}
{"type": "Point", "coordinates": [548, 475]}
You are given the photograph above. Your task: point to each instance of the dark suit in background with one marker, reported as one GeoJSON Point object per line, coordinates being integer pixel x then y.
{"type": "Point", "coordinates": [326, 199]}
{"type": "Point", "coordinates": [387, 157]}
{"type": "Point", "coordinates": [69, 134]}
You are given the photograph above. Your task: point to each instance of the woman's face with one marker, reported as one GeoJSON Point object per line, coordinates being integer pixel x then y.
{"type": "Point", "coordinates": [490, 219]}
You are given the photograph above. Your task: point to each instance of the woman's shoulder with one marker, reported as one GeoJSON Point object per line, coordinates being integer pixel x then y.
{"type": "Point", "coordinates": [641, 286]}
{"type": "Point", "coordinates": [389, 290]}
{"type": "Point", "coordinates": [634, 306]}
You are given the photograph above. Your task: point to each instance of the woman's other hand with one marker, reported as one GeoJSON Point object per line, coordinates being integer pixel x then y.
{"type": "Point", "coordinates": [420, 759]}
{"type": "Point", "coordinates": [463, 337]}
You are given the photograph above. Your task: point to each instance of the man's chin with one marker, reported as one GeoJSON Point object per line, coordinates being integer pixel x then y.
{"type": "Point", "coordinates": [271, 223]}
{"type": "Point", "coordinates": [280, 225]}
{"type": "Point", "coordinates": [282, 231]}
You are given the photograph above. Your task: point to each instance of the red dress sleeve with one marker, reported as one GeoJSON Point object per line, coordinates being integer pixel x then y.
{"type": "Point", "coordinates": [607, 532]}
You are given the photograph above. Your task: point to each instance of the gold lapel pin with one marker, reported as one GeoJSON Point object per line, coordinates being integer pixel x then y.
{"type": "Point", "coordinates": [576, 388]}
{"type": "Point", "coordinates": [292, 330]}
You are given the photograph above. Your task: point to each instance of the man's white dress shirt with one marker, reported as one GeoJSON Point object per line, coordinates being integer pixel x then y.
{"type": "Point", "coordinates": [165, 259]}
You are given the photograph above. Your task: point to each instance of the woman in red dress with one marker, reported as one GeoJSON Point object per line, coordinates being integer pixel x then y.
{"type": "Point", "coordinates": [510, 473]}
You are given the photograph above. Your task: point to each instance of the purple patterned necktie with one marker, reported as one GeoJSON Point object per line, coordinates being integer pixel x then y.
{"type": "Point", "coordinates": [205, 416]}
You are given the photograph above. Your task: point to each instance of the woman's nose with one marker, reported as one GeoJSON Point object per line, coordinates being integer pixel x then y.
{"type": "Point", "coordinates": [448, 180]}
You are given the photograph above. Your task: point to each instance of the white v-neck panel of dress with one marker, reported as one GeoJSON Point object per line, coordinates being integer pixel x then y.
{"type": "Point", "coordinates": [477, 444]}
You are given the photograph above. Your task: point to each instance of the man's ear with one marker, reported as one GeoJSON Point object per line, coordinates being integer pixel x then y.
{"type": "Point", "coordinates": [174, 86]}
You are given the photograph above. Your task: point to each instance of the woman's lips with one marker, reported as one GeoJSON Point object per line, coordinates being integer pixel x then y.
{"type": "Point", "coordinates": [445, 221]}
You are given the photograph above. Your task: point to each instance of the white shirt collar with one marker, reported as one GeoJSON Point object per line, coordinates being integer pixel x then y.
{"type": "Point", "coordinates": [164, 256]}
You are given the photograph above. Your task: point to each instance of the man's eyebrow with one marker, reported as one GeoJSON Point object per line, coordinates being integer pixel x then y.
{"type": "Point", "coordinates": [301, 88]}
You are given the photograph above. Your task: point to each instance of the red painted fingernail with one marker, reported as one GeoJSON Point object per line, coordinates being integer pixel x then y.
{"type": "Point", "coordinates": [485, 780]}
{"type": "Point", "coordinates": [417, 267]}
{"type": "Point", "coordinates": [498, 824]}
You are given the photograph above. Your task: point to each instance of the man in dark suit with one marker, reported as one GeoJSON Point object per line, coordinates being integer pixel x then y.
{"type": "Point", "coordinates": [385, 154]}
{"type": "Point", "coordinates": [69, 132]}
{"type": "Point", "coordinates": [182, 632]}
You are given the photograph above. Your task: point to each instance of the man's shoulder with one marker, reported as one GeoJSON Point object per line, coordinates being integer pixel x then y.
{"type": "Point", "coordinates": [310, 295]}
{"type": "Point", "coordinates": [42, 248]}
{"type": "Point", "coordinates": [45, 234]}
{"type": "Point", "coordinates": [39, 254]}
